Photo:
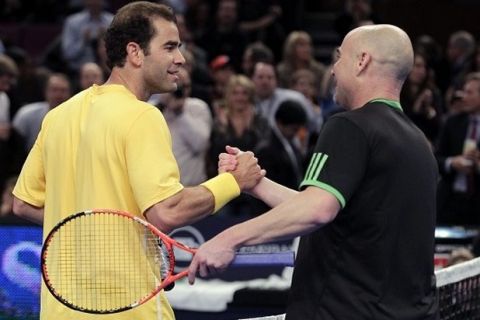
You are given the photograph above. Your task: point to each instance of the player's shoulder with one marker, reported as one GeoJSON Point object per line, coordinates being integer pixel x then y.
{"type": "Point", "coordinates": [69, 103]}
{"type": "Point", "coordinates": [344, 116]}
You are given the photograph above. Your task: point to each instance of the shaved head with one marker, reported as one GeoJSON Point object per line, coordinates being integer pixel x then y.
{"type": "Point", "coordinates": [389, 46]}
{"type": "Point", "coordinates": [373, 61]}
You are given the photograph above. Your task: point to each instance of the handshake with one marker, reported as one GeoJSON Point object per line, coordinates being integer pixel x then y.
{"type": "Point", "coordinates": [243, 166]}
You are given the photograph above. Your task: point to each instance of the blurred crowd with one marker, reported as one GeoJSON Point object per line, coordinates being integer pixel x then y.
{"type": "Point", "coordinates": [251, 80]}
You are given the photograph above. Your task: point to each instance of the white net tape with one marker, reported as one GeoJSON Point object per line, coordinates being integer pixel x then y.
{"type": "Point", "coordinates": [277, 317]}
{"type": "Point", "coordinates": [458, 272]}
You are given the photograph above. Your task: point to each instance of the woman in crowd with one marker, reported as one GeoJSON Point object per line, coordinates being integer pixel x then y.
{"type": "Point", "coordinates": [421, 99]}
{"type": "Point", "coordinates": [298, 54]}
{"type": "Point", "coordinates": [236, 124]}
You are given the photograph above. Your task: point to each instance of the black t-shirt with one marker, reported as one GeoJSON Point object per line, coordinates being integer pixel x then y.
{"type": "Point", "coordinates": [375, 260]}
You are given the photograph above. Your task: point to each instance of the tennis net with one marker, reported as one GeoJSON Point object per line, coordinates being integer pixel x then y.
{"type": "Point", "coordinates": [458, 291]}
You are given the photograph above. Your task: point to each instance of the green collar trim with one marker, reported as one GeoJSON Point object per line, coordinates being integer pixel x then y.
{"type": "Point", "coordinates": [392, 103]}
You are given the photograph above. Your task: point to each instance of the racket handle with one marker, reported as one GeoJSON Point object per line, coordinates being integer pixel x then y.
{"type": "Point", "coordinates": [285, 258]}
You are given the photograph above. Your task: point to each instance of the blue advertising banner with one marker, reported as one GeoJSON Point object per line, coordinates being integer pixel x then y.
{"type": "Point", "coordinates": [20, 248]}
{"type": "Point", "coordinates": [20, 277]}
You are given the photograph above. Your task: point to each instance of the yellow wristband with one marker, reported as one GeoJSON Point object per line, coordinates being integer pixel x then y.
{"type": "Point", "coordinates": [224, 188]}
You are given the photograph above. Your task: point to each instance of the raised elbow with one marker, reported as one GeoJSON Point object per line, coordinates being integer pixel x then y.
{"type": "Point", "coordinates": [324, 206]}
{"type": "Point", "coordinates": [323, 217]}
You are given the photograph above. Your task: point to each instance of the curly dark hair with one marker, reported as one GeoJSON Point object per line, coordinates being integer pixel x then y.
{"type": "Point", "coordinates": [133, 23]}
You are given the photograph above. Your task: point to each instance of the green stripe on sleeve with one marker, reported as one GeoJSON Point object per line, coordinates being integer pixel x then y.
{"type": "Point", "coordinates": [325, 187]}
{"type": "Point", "coordinates": [310, 165]}
{"type": "Point", "coordinates": [320, 166]}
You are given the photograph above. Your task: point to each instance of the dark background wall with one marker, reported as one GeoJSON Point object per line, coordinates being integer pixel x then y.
{"type": "Point", "coordinates": [437, 18]}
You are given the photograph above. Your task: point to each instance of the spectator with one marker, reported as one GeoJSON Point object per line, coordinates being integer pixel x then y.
{"type": "Point", "coordinates": [80, 34]}
{"type": "Point", "coordinates": [29, 118]}
{"type": "Point", "coordinates": [200, 77]}
{"type": "Point", "coordinates": [459, 255]}
{"type": "Point", "coordinates": [435, 59]}
{"type": "Point", "coordinates": [30, 82]}
{"type": "Point", "coordinates": [237, 123]}
{"type": "Point", "coordinates": [356, 13]}
{"type": "Point", "coordinates": [190, 123]}
{"type": "Point", "coordinates": [268, 95]}
{"type": "Point", "coordinates": [188, 42]}
{"type": "Point", "coordinates": [298, 54]}
{"type": "Point", "coordinates": [421, 99]}
{"type": "Point", "coordinates": [476, 59]}
{"type": "Point", "coordinates": [303, 81]}
{"type": "Point", "coordinates": [255, 52]}
{"type": "Point", "coordinates": [224, 37]}
{"type": "Point", "coordinates": [198, 18]}
{"type": "Point", "coordinates": [279, 155]}
{"type": "Point", "coordinates": [101, 56]}
{"type": "Point", "coordinates": [8, 74]}
{"type": "Point", "coordinates": [460, 53]}
{"type": "Point", "coordinates": [261, 21]}
{"type": "Point", "coordinates": [458, 159]}
{"type": "Point", "coordinates": [221, 70]}
{"type": "Point", "coordinates": [90, 74]}
{"type": "Point", "coordinates": [456, 104]}
{"type": "Point", "coordinates": [329, 106]}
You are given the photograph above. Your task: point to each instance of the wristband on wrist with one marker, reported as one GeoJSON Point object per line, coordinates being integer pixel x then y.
{"type": "Point", "coordinates": [224, 188]}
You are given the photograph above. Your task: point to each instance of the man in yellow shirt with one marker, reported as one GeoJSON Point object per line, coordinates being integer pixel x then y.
{"type": "Point", "coordinates": [107, 148]}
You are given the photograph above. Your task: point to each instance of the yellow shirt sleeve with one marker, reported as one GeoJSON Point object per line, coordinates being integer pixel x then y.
{"type": "Point", "coordinates": [30, 186]}
{"type": "Point", "coordinates": [151, 165]}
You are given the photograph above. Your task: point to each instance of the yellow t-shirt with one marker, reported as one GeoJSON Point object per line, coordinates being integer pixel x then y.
{"type": "Point", "coordinates": [102, 148]}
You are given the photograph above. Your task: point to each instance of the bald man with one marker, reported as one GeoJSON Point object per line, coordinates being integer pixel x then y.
{"type": "Point", "coordinates": [366, 209]}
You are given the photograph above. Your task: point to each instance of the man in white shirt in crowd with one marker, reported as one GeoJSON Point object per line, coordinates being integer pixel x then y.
{"type": "Point", "coordinates": [190, 123]}
{"type": "Point", "coordinates": [81, 32]}
{"type": "Point", "coordinates": [269, 96]}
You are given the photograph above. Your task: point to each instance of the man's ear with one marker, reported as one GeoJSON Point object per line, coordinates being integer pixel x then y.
{"type": "Point", "coordinates": [363, 61]}
{"type": "Point", "coordinates": [134, 54]}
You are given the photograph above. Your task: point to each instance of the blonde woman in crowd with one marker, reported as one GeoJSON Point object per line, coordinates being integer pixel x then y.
{"type": "Point", "coordinates": [298, 54]}
{"type": "Point", "coordinates": [237, 124]}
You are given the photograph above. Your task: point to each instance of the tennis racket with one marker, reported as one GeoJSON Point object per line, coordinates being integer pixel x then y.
{"type": "Point", "coordinates": [106, 261]}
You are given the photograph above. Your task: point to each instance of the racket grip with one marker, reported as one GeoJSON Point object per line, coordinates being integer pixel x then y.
{"type": "Point", "coordinates": [285, 258]}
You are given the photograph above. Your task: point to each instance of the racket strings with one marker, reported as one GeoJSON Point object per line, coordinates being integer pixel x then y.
{"type": "Point", "coordinates": [105, 262]}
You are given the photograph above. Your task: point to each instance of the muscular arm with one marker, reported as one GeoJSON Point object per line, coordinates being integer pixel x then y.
{"type": "Point", "coordinates": [27, 211]}
{"type": "Point", "coordinates": [194, 203]}
{"type": "Point", "coordinates": [302, 213]}
{"type": "Point", "coordinates": [185, 207]}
